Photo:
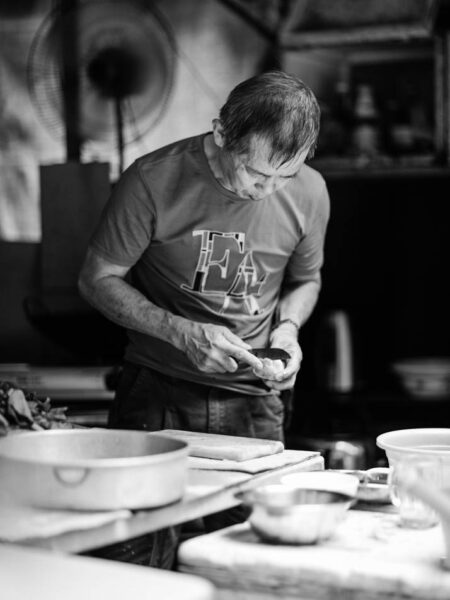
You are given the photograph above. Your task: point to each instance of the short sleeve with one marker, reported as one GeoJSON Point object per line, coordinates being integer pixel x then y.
{"type": "Point", "coordinates": [126, 225]}
{"type": "Point", "coordinates": [307, 260]}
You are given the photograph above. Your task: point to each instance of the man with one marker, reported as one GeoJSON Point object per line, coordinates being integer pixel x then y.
{"type": "Point", "coordinates": [208, 248]}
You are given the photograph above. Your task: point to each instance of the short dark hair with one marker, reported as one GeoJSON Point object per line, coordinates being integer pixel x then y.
{"type": "Point", "coordinates": [276, 106]}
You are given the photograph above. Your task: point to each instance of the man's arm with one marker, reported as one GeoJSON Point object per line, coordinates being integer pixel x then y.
{"type": "Point", "coordinates": [211, 348]}
{"type": "Point", "coordinates": [296, 304]}
{"type": "Point", "coordinates": [298, 301]}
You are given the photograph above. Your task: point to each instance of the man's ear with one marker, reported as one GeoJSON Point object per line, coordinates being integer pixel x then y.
{"type": "Point", "coordinates": [218, 134]}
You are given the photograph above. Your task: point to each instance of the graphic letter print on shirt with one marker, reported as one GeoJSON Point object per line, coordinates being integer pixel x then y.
{"type": "Point", "coordinates": [232, 276]}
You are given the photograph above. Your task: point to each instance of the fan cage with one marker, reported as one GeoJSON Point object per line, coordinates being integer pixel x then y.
{"type": "Point", "coordinates": [45, 73]}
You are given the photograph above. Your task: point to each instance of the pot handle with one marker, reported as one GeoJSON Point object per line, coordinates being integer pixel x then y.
{"type": "Point", "coordinates": [70, 476]}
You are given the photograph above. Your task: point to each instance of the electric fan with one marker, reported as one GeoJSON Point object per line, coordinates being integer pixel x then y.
{"type": "Point", "coordinates": [121, 68]}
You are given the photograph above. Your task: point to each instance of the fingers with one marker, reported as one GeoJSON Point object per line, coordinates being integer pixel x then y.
{"type": "Point", "coordinates": [222, 365]}
{"type": "Point", "coordinates": [215, 349]}
{"type": "Point", "coordinates": [234, 339]}
{"type": "Point", "coordinates": [228, 357]}
{"type": "Point", "coordinates": [215, 360]}
{"type": "Point", "coordinates": [234, 347]}
{"type": "Point", "coordinates": [271, 369]}
{"type": "Point", "coordinates": [244, 356]}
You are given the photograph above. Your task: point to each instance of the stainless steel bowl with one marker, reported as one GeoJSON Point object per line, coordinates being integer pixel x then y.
{"type": "Point", "coordinates": [287, 515]}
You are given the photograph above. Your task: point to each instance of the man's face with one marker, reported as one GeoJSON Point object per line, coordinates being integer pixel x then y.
{"type": "Point", "coordinates": [253, 176]}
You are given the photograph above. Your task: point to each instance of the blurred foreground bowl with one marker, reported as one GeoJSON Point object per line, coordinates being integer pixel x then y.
{"type": "Point", "coordinates": [432, 443]}
{"type": "Point", "coordinates": [327, 481]}
{"type": "Point", "coordinates": [284, 514]}
{"type": "Point", "coordinates": [368, 486]}
{"type": "Point", "coordinates": [424, 377]}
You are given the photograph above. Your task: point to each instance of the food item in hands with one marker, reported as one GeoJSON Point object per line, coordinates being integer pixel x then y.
{"type": "Point", "coordinates": [273, 360]}
{"type": "Point", "coordinates": [271, 369]}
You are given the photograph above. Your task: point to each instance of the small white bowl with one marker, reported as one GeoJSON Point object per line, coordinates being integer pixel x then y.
{"type": "Point", "coordinates": [328, 481]}
{"type": "Point", "coordinates": [424, 377]}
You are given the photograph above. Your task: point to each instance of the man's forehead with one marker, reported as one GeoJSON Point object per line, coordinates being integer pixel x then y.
{"type": "Point", "coordinates": [259, 153]}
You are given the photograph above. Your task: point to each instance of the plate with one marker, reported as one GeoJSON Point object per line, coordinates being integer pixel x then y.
{"type": "Point", "coordinates": [373, 484]}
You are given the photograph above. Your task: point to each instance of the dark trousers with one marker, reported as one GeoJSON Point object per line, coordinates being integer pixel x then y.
{"type": "Point", "coordinates": [149, 400]}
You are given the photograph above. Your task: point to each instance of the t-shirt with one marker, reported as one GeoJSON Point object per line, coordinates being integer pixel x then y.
{"type": "Point", "coordinates": [200, 251]}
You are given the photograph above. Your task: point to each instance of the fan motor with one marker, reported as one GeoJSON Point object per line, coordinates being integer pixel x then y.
{"type": "Point", "coordinates": [117, 72]}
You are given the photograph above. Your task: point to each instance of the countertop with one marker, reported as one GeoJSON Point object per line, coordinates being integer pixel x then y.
{"type": "Point", "coordinates": [27, 573]}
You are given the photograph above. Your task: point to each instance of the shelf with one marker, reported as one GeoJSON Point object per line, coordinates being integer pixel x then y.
{"type": "Point", "coordinates": [406, 132]}
{"type": "Point", "coordinates": [337, 168]}
{"type": "Point", "coordinates": [319, 23]}
{"type": "Point", "coordinates": [378, 173]}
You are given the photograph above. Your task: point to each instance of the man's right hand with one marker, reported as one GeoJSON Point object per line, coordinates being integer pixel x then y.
{"type": "Point", "coordinates": [213, 348]}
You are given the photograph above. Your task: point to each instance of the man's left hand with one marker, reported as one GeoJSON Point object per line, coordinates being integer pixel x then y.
{"type": "Point", "coordinates": [285, 338]}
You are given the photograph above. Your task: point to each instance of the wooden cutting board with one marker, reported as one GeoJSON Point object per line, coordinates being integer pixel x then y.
{"type": "Point", "coordinates": [225, 447]}
{"type": "Point", "coordinates": [254, 465]}
{"type": "Point", "coordinates": [369, 556]}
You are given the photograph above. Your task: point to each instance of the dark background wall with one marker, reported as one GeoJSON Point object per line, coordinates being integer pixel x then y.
{"type": "Point", "coordinates": [69, 337]}
{"type": "Point", "coordinates": [387, 263]}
